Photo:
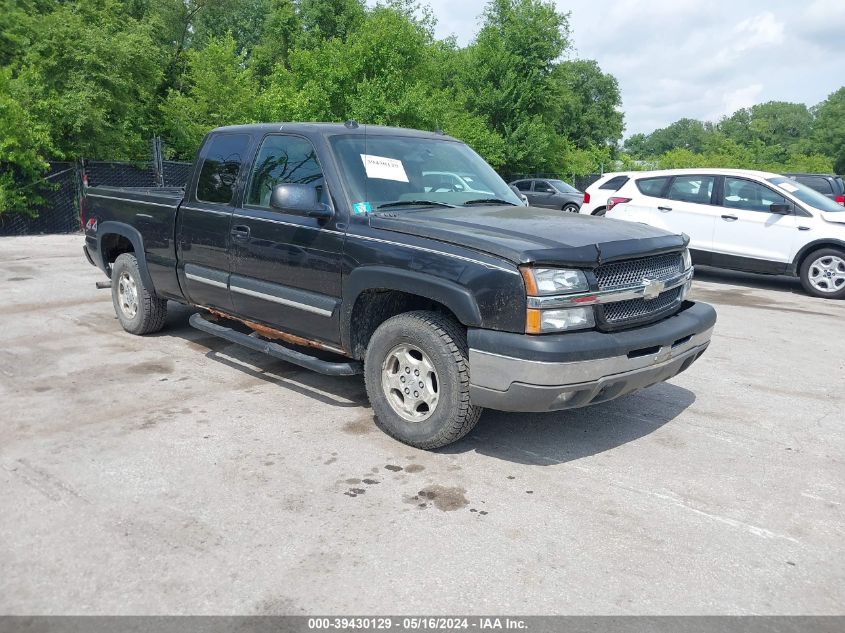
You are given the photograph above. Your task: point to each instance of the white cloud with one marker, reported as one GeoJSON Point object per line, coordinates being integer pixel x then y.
{"type": "Point", "coordinates": [743, 97]}
{"type": "Point", "coordinates": [688, 58]}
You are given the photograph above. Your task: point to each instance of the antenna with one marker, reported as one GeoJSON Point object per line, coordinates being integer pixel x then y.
{"type": "Point", "coordinates": [351, 124]}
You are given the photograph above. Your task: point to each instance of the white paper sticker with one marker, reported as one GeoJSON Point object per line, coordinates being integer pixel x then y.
{"type": "Point", "coordinates": [788, 187]}
{"type": "Point", "coordinates": [384, 168]}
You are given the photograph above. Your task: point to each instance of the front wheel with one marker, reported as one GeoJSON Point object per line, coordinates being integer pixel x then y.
{"type": "Point", "coordinates": [823, 273]}
{"type": "Point", "coordinates": [416, 372]}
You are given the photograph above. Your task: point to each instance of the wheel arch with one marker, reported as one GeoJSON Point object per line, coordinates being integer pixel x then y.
{"type": "Point", "coordinates": [106, 232]}
{"type": "Point", "coordinates": [807, 249]}
{"type": "Point", "coordinates": [373, 294]}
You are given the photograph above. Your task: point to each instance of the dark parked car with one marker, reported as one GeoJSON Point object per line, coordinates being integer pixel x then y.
{"type": "Point", "coordinates": [319, 244]}
{"type": "Point", "coordinates": [551, 194]}
{"type": "Point", "coordinates": [829, 185]}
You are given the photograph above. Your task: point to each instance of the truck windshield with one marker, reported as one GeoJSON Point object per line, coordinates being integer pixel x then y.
{"type": "Point", "coordinates": [807, 195]}
{"type": "Point", "coordinates": [389, 170]}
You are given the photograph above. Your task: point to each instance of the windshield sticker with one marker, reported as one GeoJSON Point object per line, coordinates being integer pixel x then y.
{"type": "Point", "coordinates": [362, 208]}
{"type": "Point", "coordinates": [384, 168]}
{"type": "Point", "coordinates": [788, 187]}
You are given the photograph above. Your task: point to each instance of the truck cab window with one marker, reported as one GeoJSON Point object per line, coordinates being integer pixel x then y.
{"type": "Point", "coordinates": [283, 160]}
{"type": "Point", "coordinates": [220, 167]}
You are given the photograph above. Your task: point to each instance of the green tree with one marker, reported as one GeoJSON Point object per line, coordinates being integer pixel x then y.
{"type": "Point", "coordinates": [221, 91]}
{"type": "Point", "coordinates": [505, 77]}
{"type": "Point", "coordinates": [829, 129]}
{"type": "Point", "coordinates": [23, 145]}
{"type": "Point", "coordinates": [588, 104]}
{"type": "Point", "coordinates": [242, 19]}
{"type": "Point", "coordinates": [90, 72]}
{"type": "Point", "coordinates": [688, 134]}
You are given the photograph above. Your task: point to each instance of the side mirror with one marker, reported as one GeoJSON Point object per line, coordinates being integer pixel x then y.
{"type": "Point", "coordinates": [519, 195]}
{"type": "Point", "coordinates": [299, 199]}
{"type": "Point", "coordinates": [780, 208]}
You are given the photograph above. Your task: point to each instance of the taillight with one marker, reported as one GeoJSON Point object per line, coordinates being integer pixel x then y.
{"type": "Point", "coordinates": [82, 210]}
{"type": "Point", "coordinates": [841, 200]}
{"type": "Point", "coordinates": [586, 197]}
{"type": "Point", "coordinates": [612, 202]}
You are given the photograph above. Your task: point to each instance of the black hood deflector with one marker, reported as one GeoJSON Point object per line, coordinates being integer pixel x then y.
{"type": "Point", "coordinates": [532, 235]}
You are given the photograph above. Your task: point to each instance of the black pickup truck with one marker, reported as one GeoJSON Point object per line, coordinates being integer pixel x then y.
{"type": "Point", "coordinates": [322, 244]}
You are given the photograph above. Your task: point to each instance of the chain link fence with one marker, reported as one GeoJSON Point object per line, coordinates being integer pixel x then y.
{"type": "Point", "coordinates": [61, 188]}
{"type": "Point", "coordinates": [59, 210]}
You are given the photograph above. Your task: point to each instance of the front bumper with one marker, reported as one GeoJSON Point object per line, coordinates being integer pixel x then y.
{"type": "Point", "coordinates": [519, 372]}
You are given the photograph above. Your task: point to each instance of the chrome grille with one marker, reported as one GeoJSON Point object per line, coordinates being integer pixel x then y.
{"type": "Point", "coordinates": [632, 272]}
{"type": "Point", "coordinates": [636, 309]}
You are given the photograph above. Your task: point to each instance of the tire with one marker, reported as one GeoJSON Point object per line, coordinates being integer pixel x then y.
{"type": "Point", "coordinates": [570, 208]}
{"type": "Point", "coordinates": [423, 339]}
{"type": "Point", "coordinates": [823, 273]}
{"type": "Point", "coordinates": [138, 310]}
{"type": "Point", "coordinates": [600, 211]}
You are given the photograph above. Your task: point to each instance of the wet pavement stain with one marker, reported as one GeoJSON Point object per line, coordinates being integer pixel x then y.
{"type": "Point", "coordinates": [414, 468]}
{"type": "Point", "coordinates": [151, 368]}
{"type": "Point", "coordinates": [370, 482]}
{"type": "Point", "coordinates": [393, 468]}
{"type": "Point", "coordinates": [441, 497]}
{"type": "Point", "coordinates": [361, 426]}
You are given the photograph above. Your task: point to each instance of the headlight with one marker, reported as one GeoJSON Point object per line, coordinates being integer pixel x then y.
{"type": "Point", "coordinates": [544, 321]}
{"type": "Point", "coordinates": [553, 281]}
{"type": "Point", "coordinates": [546, 282]}
{"type": "Point", "coordinates": [687, 259]}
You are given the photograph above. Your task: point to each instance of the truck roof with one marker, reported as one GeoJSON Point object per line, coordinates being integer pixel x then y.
{"type": "Point", "coordinates": [331, 129]}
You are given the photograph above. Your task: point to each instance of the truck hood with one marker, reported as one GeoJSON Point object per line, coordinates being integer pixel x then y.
{"type": "Point", "coordinates": [533, 235]}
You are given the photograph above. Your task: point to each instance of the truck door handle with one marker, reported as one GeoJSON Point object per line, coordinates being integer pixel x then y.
{"type": "Point", "coordinates": [664, 208]}
{"type": "Point", "coordinates": [240, 232]}
{"type": "Point", "coordinates": [729, 218]}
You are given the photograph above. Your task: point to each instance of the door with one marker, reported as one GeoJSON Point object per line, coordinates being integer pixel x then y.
{"type": "Point", "coordinates": [748, 235]}
{"type": "Point", "coordinates": [686, 207]}
{"type": "Point", "coordinates": [543, 195]}
{"type": "Point", "coordinates": [204, 218]}
{"type": "Point", "coordinates": [286, 267]}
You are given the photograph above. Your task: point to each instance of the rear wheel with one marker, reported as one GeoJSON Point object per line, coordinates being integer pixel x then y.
{"type": "Point", "coordinates": [823, 273]}
{"type": "Point", "coordinates": [570, 208]}
{"type": "Point", "coordinates": [138, 310]}
{"type": "Point", "coordinates": [600, 211]}
{"type": "Point", "coordinates": [416, 372]}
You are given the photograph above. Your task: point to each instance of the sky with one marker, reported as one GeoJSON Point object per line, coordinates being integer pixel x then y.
{"type": "Point", "coordinates": [691, 58]}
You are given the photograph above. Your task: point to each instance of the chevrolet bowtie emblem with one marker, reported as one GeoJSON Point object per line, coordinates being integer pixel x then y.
{"type": "Point", "coordinates": [653, 288]}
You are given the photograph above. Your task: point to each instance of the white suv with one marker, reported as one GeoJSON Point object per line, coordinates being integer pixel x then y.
{"type": "Point", "coordinates": [743, 220]}
{"type": "Point", "coordinates": [596, 195]}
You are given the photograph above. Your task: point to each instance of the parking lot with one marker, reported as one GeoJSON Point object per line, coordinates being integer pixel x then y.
{"type": "Point", "coordinates": [179, 473]}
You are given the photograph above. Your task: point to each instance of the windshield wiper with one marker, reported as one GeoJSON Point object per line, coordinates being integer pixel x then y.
{"type": "Point", "coordinates": [415, 203]}
{"type": "Point", "coordinates": [490, 201]}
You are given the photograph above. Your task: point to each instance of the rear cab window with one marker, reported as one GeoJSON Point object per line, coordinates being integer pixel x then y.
{"type": "Point", "coordinates": [221, 164]}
